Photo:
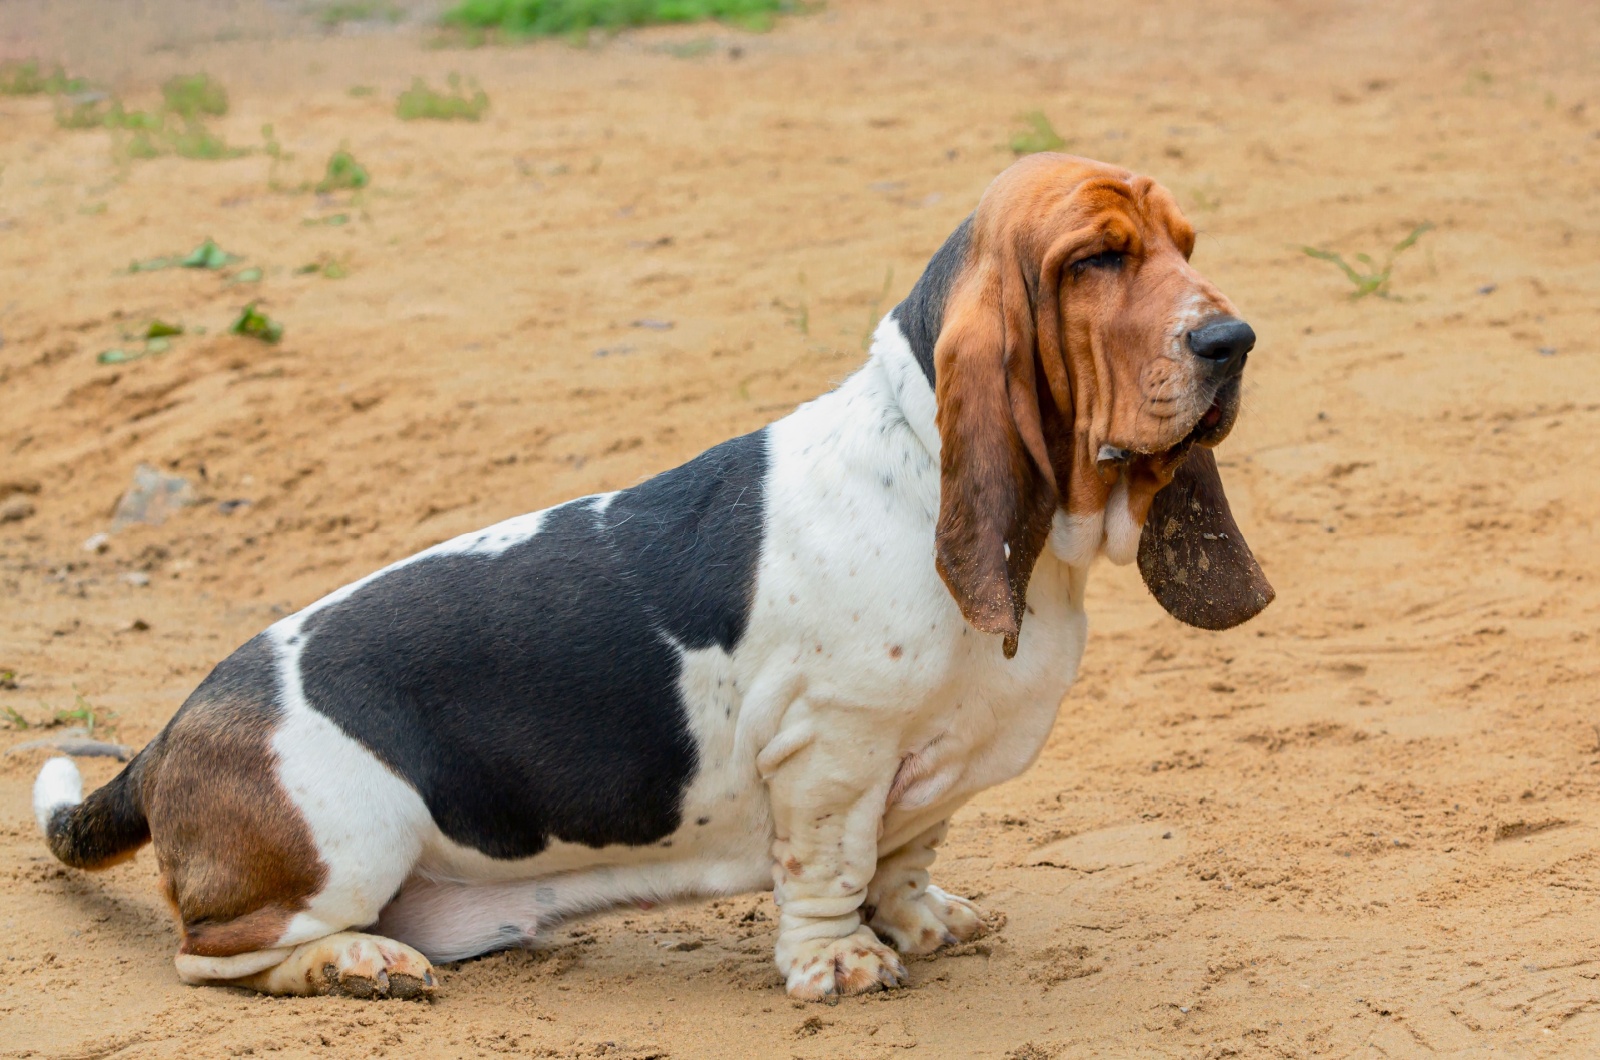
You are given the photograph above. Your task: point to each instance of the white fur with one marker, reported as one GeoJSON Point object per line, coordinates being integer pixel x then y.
{"type": "Point", "coordinates": [59, 784]}
{"type": "Point", "coordinates": [856, 668]}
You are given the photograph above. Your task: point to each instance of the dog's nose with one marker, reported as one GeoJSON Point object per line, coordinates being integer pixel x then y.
{"type": "Point", "coordinates": [1224, 341]}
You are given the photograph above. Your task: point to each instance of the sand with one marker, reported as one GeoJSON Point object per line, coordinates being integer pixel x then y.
{"type": "Point", "coordinates": [1368, 822]}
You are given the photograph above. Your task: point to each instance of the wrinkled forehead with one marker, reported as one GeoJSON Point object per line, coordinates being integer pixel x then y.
{"type": "Point", "coordinates": [1046, 196]}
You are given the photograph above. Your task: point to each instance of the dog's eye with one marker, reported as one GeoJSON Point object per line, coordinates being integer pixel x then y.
{"type": "Point", "coordinates": [1106, 259]}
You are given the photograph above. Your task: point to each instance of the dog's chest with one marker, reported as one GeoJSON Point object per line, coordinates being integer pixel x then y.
{"type": "Point", "coordinates": [852, 626]}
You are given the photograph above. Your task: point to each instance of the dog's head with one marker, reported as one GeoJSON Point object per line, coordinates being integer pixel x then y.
{"type": "Point", "coordinates": [1083, 369]}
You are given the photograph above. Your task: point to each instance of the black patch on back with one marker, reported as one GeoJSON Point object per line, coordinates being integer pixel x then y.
{"type": "Point", "coordinates": [532, 694]}
{"type": "Point", "coordinates": [921, 315]}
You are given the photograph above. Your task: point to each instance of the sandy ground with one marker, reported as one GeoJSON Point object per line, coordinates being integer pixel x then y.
{"type": "Point", "coordinates": [1368, 822]}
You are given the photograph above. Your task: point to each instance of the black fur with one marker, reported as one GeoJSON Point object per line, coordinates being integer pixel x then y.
{"type": "Point", "coordinates": [921, 315]}
{"type": "Point", "coordinates": [104, 827]}
{"type": "Point", "coordinates": [532, 695]}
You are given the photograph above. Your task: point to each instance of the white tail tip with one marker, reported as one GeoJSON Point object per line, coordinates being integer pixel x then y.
{"type": "Point", "coordinates": [59, 784]}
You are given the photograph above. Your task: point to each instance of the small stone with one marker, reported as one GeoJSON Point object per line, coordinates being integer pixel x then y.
{"type": "Point", "coordinates": [1547, 351]}
{"type": "Point", "coordinates": [97, 543]}
{"type": "Point", "coordinates": [137, 578]}
{"type": "Point", "coordinates": [15, 509]}
{"type": "Point", "coordinates": [152, 497]}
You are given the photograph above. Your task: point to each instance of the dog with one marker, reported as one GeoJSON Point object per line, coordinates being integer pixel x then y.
{"type": "Point", "coordinates": [782, 665]}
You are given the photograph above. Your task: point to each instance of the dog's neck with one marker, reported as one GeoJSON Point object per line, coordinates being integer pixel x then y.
{"type": "Point", "coordinates": [908, 386]}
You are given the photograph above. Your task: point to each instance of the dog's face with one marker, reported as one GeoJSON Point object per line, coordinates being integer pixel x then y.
{"type": "Point", "coordinates": [1081, 363]}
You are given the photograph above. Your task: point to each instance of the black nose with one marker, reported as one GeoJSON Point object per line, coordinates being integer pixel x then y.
{"type": "Point", "coordinates": [1224, 341]}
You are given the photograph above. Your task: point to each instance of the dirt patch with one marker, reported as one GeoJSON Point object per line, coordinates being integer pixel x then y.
{"type": "Point", "coordinates": [671, 237]}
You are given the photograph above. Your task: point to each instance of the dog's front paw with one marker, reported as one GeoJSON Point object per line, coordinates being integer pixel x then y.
{"type": "Point", "coordinates": [924, 923]}
{"type": "Point", "coordinates": [855, 964]}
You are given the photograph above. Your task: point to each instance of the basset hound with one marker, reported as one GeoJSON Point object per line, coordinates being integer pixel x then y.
{"type": "Point", "coordinates": [783, 664]}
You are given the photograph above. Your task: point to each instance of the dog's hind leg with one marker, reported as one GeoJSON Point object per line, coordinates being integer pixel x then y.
{"type": "Point", "coordinates": [276, 835]}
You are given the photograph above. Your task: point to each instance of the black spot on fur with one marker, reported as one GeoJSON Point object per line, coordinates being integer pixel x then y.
{"type": "Point", "coordinates": [532, 695]}
{"type": "Point", "coordinates": [921, 315]}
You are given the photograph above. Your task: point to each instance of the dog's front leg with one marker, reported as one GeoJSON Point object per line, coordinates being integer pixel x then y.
{"type": "Point", "coordinates": [827, 783]}
{"type": "Point", "coordinates": [907, 910]}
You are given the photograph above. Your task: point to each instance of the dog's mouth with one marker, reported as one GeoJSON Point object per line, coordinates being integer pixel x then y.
{"type": "Point", "coordinates": [1217, 421]}
{"type": "Point", "coordinates": [1214, 424]}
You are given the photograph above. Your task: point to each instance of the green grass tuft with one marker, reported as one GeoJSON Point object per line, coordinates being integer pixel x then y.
{"type": "Point", "coordinates": [178, 128]}
{"type": "Point", "coordinates": [420, 101]}
{"type": "Point", "coordinates": [1374, 280]}
{"type": "Point", "coordinates": [191, 95]}
{"type": "Point", "coordinates": [25, 77]}
{"type": "Point", "coordinates": [344, 173]}
{"type": "Point", "coordinates": [548, 18]}
{"type": "Point", "coordinates": [1039, 135]}
{"type": "Point", "coordinates": [339, 12]}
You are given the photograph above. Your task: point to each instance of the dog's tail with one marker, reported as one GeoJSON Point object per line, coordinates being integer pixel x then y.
{"type": "Point", "coordinates": [94, 833]}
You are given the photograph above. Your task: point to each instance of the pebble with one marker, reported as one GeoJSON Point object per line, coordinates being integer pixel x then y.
{"type": "Point", "coordinates": [137, 578]}
{"type": "Point", "coordinates": [15, 509]}
{"type": "Point", "coordinates": [151, 498]}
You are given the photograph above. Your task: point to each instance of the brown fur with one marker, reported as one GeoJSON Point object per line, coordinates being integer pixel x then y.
{"type": "Point", "coordinates": [1039, 366]}
{"type": "Point", "coordinates": [237, 859]}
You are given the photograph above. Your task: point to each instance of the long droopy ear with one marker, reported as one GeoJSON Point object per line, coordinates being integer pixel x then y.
{"type": "Point", "coordinates": [1194, 559]}
{"type": "Point", "coordinates": [997, 490]}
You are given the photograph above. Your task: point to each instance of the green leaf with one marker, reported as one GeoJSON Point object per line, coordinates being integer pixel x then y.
{"type": "Point", "coordinates": [257, 325]}
{"type": "Point", "coordinates": [1416, 234]}
{"type": "Point", "coordinates": [1039, 136]}
{"type": "Point", "coordinates": [207, 256]}
{"type": "Point", "coordinates": [119, 356]}
{"type": "Point", "coordinates": [160, 329]}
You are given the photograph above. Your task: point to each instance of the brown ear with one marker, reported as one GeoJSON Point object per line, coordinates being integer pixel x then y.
{"type": "Point", "coordinates": [1192, 555]}
{"type": "Point", "coordinates": [997, 492]}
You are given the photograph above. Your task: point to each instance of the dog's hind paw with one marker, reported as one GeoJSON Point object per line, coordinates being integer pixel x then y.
{"type": "Point", "coordinates": [350, 964]}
